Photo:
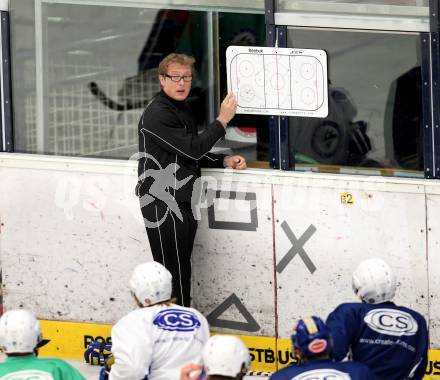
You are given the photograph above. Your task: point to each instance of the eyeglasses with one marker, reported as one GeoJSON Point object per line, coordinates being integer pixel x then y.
{"type": "Point", "coordinates": [177, 78]}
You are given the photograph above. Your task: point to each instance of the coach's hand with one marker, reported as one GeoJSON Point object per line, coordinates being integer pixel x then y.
{"type": "Point", "coordinates": [234, 162]}
{"type": "Point", "coordinates": [227, 109]}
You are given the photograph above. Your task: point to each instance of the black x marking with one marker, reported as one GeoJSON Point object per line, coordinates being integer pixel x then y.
{"type": "Point", "coordinates": [297, 247]}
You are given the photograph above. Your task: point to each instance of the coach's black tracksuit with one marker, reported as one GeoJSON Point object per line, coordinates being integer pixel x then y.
{"type": "Point", "coordinates": [172, 153]}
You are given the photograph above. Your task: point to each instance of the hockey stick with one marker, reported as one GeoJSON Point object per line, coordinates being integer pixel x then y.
{"type": "Point", "coordinates": [110, 103]}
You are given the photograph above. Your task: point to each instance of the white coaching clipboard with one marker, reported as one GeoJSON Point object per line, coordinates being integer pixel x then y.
{"type": "Point", "coordinates": [278, 81]}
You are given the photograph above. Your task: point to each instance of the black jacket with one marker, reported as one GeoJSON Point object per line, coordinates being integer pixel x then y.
{"type": "Point", "coordinates": [168, 136]}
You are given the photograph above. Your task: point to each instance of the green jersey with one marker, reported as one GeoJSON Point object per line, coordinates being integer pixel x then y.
{"type": "Point", "coordinates": [29, 367]}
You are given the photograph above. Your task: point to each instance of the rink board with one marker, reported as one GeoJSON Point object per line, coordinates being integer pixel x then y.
{"type": "Point", "coordinates": [271, 246]}
{"type": "Point", "coordinates": [68, 340]}
{"type": "Point", "coordinates": [63, 228]}
{"type": "Point", "coordinates": [333, 236]}
{"type": "Point", "coordinates": [235, 238]}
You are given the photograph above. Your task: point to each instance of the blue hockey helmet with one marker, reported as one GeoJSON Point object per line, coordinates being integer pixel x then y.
{"type": "Point", "coordinates": [98, 353]}
{"type": "Point", "coordinates": [312, 337]}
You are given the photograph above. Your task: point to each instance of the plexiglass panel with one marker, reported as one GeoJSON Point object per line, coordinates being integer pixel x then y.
{"type": "Point", "coordinates": [375, 104]}
{"type": "Point", "coordinates": [98, 71]}
{"type": "Point", "coordinates": [249, 134]}
{"type": "Point", "coordinates": [399, 15]}
{"type": "Point", "coordinates": [22, 20]}
{"type": "Point", "coordinates": [84, 73]}
{"type": "Point", "coordinates": [360, 6]}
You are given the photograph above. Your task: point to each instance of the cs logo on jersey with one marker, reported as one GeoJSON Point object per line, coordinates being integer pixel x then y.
{"type": "Point", "coordinates": [323, 374]}
{"type": "Point", "coordinates": [176, 320]}
{"type": "Point", "coordinates": [391, 322]}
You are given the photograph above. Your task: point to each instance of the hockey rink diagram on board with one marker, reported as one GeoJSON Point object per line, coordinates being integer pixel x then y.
{"type": "Point", "coordinates": [278, 81]}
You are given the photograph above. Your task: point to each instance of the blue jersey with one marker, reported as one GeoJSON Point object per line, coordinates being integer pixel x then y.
{"type": "Point", "coordinates": [391, 340]}
{"type": "Point", "coordinates": [324, 369]}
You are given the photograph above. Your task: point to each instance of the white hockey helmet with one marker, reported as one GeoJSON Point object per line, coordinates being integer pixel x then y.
{"type": "Point", "coordinates": [20, 331]}
{"type": "Point", "coordinates": [225, 355]}
{"type": "Point", "coordinates": [374, 282]}
{"type": "Point", "coordinates": [151, 283]}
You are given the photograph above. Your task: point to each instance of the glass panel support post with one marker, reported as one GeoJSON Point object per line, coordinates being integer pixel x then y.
{"type": "Point", "coordinates": [435, 100]}
{"type": "Point", "coordinates": [276, 36]}
{"type": "Point", "coordinates": [6, 127]}
{"type": "Point", "coordinates": [41, 75]}
{"type": "Point", "coordinates": [213, 59]}
{"type": "Point", "coordinates": [432, 125]}
{"type": "Point", "coordinates": [285, 163]}
{"type": "Point", "coordinates": [427, 96]}
{"type": "Point", "coordinates": [274, 148]}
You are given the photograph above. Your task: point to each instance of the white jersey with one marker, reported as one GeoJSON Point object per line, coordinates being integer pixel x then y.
{"type": "Point", "coordinates": [156, 342]}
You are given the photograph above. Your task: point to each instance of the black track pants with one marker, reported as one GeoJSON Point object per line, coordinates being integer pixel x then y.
{"type": "Point", "coordinates": [171, 241]}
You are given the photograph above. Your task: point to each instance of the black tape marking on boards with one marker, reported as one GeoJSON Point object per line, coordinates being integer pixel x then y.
{"type": "Point", "coordinates": [250, 325]}
{"type": "Point", "coordinates": [238, 226]}
{"type": "Point", "coordinates": [297, 248]}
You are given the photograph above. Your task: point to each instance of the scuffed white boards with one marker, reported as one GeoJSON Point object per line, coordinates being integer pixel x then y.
{"type": "Point", "coordinates": [278, 81]}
